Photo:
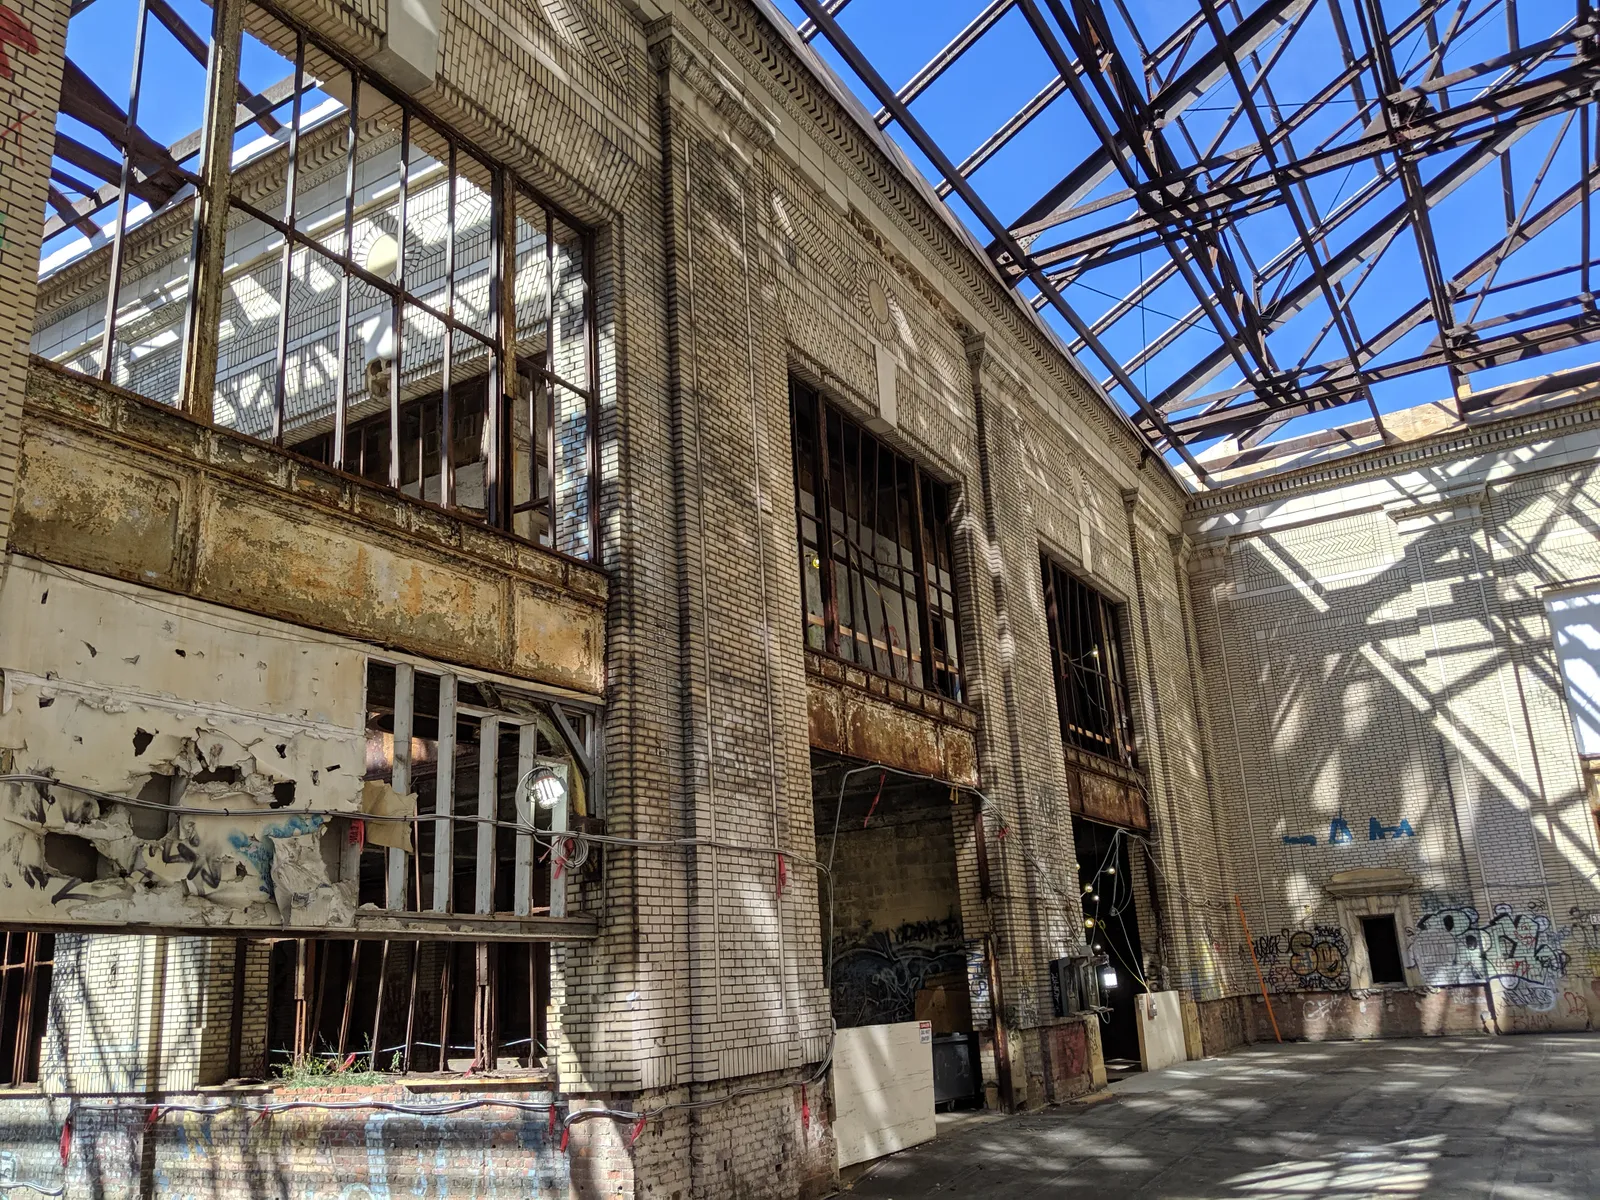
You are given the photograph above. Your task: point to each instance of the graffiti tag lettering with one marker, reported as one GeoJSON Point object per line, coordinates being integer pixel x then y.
{"type": "Point", "coordinates": [1310, 960]}
{"type": "Point", "coordinates": [878, 973]}
{"type": "Point", "coordinates": [1521, 952]}
{"type": "Point", "coordinates": [1340, 833]}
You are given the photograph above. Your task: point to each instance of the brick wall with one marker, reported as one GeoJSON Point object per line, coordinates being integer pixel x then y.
{"type": "Point", "coordinates": [1384, 698]}
{"type": "Point", "coordinates": [746, 226]}
{"type": "Point", "coordinates": [32, 37]}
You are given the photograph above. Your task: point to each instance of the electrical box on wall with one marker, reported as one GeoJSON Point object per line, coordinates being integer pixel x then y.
{"type": "Point", "coordinates": [1072, 985]}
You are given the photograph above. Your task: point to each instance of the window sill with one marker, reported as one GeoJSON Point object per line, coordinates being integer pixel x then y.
{"type": "Point", "coordinates": [935, 704]}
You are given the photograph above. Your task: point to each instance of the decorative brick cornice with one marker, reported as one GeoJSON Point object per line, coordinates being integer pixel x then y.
{"type": "Point", "coordinates": [1382, 461]}
{"type": "Point", "coordinates": [676, 54]}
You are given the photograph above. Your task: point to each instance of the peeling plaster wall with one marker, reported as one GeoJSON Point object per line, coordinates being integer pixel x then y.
{"type": "Point", "coordinates": [123, 690]}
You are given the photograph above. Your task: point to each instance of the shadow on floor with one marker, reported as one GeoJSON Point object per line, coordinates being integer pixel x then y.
{"type": "Point", "coordinates": [1511, 1117]}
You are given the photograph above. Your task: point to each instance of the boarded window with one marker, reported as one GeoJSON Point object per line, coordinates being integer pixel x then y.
{"type": "Point", "coordinates": [875, 551]}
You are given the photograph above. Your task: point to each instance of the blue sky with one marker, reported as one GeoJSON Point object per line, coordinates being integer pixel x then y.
{"type": "Point", "coordinates": [1008, 66]}
{"type": "Point", "coordinates": [1001, 73]}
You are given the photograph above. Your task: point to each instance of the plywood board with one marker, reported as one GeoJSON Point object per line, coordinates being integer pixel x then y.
{"type": "Point", "coordinates": [1160, 1019]}
{"type": "Point", "coordinates": [882, 1089]}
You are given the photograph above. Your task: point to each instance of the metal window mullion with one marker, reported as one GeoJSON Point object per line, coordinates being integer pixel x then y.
{"type": "Point", "coordinates": [397, 305]}
{"type": "Point", "coordinates": [551, 375]}
{"type": "Point", "coordinates": [447, 973]}
{"type": "Point", "coordinates": [349, 999]}
{"type": "Point", "coordinates": [280, 381]}
{"type": "Point", "coordinates": [342, 371]}
{"type": "Point", "coordinates": [858, 569]}
{"type": "Point", "coordinates": [919, 558]}
{"type": "Point", "coordinates": [108, 333]}
{"type": "Point", "coordinates": [317, 956]}
{"type": "Point", "coordinates": [830, 595]}
{"type": "Point", "coordinates": [591, 447]}
{"type": "Point", "coordinates": [800, 514]}
{"type": "Point", "coordinates": [444, 798]}
{"type": "Point", "coordinates": [411, 1007]}
{"type": "Point", "coordinates": [377, 1010]}
{"type": "Point", "coordinates": [447, 457]}
{"type": "Point", "coordinates": [488, 765]}
{"type": "Point", "coordinates": [867, 550]}
{"type": "Point", "coordinates": [400, 780]}
{"type": "Point", "coordinates": [527, 753]}
{"type": "Point", "coordinates": [502, 360]}
{"type": "Point", "coordinates": [905, 539]}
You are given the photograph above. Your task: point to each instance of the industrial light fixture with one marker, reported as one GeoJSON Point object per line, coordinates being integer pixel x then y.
{"type": "Point", "coordinates": [545, 786]}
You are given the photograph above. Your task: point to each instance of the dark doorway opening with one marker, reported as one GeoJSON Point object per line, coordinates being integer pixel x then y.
{"type": "Point", "coordinates": [1383, 949]}
{"type": "Point", "coordinates": [1111, 927]}
{"type": "Point", "coordinates": [898, 949]}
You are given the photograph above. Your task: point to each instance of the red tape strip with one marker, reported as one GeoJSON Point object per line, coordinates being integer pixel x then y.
{"type": "Point", "coordinates": [882, 775]}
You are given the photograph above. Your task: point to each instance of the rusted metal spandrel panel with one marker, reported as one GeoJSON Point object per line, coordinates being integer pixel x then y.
{"type": "Point", "coordinates": [852, 722]}
{"type": "Point", "coordinates": [109, 518]}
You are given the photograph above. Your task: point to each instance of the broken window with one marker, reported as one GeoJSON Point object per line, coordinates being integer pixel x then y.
{"type": "Point", "coordinates": [115, 267]}
{"type": "Point", "coordinates": [875, 554]}
{"type": "Point", "coordinates": [1086, 653]}
{"type": "Point", "coordinates": [365, 319]}
{"type": "Point", "coordinates": [474, 769]}
{"type": "Point", "coordinates": [25, 969]}
{"type": "Point", "coordinates": [408, 1006]}
{"type": "Point", "coordinates": [485, 764]}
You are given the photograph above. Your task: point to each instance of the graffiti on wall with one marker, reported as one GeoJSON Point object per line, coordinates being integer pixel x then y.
{"type": "Point", "coordinates": [877, 973]}
{"type": "Point", "coordinates": [1340, 833]}
{"type": "Point", "coordinates": [14, 32]}
{"type": "Point", "coordinates": [1520, 951]}
{"type": "Point", "coordinates": [1303, 960]}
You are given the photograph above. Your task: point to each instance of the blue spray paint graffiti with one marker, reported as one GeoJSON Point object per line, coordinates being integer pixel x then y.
{"type": "Point", "coordinates": [1340, 834]}
{"type": "Point", "coordinates": [257, 849]}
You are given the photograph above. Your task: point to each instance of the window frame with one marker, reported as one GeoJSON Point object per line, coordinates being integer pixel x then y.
{"type": "Point", "coordinates": [28, 981]}
{"type": "Point", "coordinates": [933, 663]}
{"type": "Point", "coordinates": [499, 338]}
{"type": "Point", "coordinates": [1101, 617]}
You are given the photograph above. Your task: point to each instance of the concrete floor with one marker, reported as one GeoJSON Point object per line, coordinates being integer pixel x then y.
{"type": "Point", "coordinates": [1511, 1117]}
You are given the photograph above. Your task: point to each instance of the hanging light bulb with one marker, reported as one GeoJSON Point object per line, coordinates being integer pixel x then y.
{"type": "Point", "coordinates": [1088, 922]}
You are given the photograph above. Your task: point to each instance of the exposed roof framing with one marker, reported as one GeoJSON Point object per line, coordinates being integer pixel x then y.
{"type": "Point", "coordinates": [1298, 204]}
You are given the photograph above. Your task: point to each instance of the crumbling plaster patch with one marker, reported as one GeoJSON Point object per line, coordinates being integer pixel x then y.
{"type": "Point", "coordinates": [117, 690]}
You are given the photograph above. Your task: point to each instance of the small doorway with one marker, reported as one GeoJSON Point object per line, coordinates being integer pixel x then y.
{"type": "Point", "coordinates": [1111, 927]}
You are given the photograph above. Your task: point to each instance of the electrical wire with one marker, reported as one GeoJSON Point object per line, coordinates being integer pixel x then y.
{"type": "Point", "coordinates": [570, 850]}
